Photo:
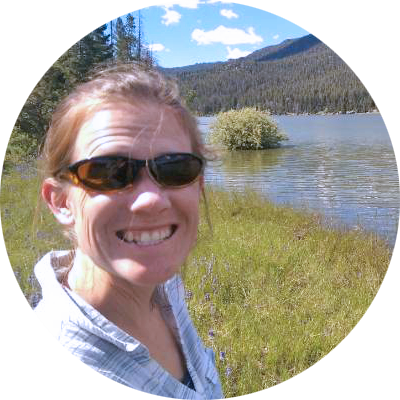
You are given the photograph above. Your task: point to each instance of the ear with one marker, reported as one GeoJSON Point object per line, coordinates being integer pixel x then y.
{"type": "Point", "coordinates": [56, 199]}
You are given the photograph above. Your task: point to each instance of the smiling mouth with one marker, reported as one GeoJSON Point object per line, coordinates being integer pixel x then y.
{"type": "Point", "coordinates": [147, 238]}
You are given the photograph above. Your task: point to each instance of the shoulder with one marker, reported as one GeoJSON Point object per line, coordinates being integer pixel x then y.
{"type": "Point", "coordinates": [58, 310]}
{"type": "Point", "coordinates": [47, 317]}
{"type": "Point", "coordinates": [53, 306]}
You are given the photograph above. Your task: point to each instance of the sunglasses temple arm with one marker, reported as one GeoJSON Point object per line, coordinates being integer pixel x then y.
{"type": "Point", "coordinates": [68, 176]}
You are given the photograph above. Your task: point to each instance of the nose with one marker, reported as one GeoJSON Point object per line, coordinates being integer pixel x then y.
{"type": "Point", "coordinates": [148, 197]}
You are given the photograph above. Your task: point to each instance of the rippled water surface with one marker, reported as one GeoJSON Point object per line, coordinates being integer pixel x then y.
{"type": "Point", "coordinates": [342, 166]}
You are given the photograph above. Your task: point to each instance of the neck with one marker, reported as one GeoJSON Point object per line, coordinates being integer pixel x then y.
{"type": "Point", "coordinates": [115, 298]}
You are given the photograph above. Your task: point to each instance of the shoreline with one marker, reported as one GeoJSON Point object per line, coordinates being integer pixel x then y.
{"type": "Point", "coordinates": [309, 114]}
{"type": "Point", "coordinates": [323, 113]}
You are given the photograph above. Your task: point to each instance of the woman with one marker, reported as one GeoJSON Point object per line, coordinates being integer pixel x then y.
{"type": "Point", "coordinates": [124, 168]}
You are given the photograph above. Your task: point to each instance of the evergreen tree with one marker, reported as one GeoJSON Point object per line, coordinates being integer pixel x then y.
{"type": "Point", "coordinates": [54, 85]}
{"type": "Point", "coordinates": [69, 70]}
{"type": "Point", "coordinates": [91, 50]}
{"type": "Point", "coordinates": [121, 47]}
{"type": "Point", "coordinates": [129, 41]}
{"type": "Point", "coordinates": [126, 41]}
{"type": "Point", "coordinates": [102, 48]}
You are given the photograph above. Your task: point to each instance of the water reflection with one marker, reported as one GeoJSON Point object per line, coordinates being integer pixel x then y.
{"type": "Point", "coordinates": [251, 162]}
{"type": "Point", "coordinates": [341, 166]}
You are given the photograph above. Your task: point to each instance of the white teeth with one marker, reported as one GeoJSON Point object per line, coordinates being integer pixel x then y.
{"type": "Point", "coordinates": [156, 235]}
{"type": "Point", "coordinates": [128, 237]}
{"type": "Point", "coordinates": [147, 237]}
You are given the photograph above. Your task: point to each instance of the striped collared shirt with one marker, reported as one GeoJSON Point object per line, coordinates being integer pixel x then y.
{"type": "Point", "coordinates": [109, 350]}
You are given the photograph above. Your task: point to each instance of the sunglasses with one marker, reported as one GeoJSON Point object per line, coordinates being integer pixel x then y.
{"type": "Point", "coordinates": [114, 173]}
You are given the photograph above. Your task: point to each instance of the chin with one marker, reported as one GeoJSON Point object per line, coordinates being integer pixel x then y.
{"type": "Point", "coordinates": [138, 274]}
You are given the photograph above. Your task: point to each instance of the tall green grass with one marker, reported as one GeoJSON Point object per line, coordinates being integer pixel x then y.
{"type": "Point", "coordinates": [29, 230]}
{"type": "Point", "coordinates": [274, 290]}
{"type": "Point", "coordinates": [271, 290]}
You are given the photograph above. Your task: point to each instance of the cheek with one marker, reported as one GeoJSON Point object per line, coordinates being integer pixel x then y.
{"type": "Point", "coordinates": [86, 210]}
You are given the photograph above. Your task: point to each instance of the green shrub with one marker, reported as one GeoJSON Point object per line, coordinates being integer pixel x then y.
{"type": "Point", "coordinates": [21, 147]}
{"type": "Point", "coordinates": [245, 129]}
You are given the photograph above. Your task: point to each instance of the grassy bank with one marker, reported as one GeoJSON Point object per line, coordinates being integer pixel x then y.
{"type": "Point", "coordinates": [271, 290]}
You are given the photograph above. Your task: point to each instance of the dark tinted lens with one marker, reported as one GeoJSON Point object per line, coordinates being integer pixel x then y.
{"type": "Point", "coordinates": [105, 173]}
{"type": "Point", "coordinates": [175, 169]}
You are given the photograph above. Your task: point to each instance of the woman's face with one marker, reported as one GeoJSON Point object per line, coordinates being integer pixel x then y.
{"type": "Point", "coordinates": [142, 234]}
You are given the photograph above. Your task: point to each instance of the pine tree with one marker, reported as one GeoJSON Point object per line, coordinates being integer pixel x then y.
{"type": "Point", "coordinates": [91, 50]}
{"type": "Point", "coordinates": [131, 40]}
{"type": "Point", "coordinates": [126, 39]}
{"type": "Point", "coordinates": [121, 48]}
{"type": "Point", "coordinates": [69, 70]}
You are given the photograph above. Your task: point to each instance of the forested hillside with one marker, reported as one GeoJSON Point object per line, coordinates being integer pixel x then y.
{"type": "Point", "coordinates": [298, 76]}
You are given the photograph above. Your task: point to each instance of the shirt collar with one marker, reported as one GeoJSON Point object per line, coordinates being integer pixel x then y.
{"type": "Point", "coordinates": [72, 308]}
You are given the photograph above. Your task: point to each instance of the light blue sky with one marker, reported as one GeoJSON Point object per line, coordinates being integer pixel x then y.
{"type": "Point", "coordinates": [186, 32]}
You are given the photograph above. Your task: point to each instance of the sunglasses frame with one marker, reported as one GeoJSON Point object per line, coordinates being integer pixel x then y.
{"type": "Point", "coordinates": [70, 173]}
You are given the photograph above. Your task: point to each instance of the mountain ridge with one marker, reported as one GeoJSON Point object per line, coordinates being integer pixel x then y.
{"type": "Point", "coordinates": [284, 49]}
{"type": "Point", "coordinates": [300, 75]}
{"type": "Point", "coordinates": [287, 48]}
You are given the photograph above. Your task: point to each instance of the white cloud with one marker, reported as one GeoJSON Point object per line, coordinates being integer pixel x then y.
{"type": "Point", "coordinates": [219, 1]}
{"type": "Point", "coordinates": [170, 17]}
{"type": "Point", "coordinates": [173, 17]}
{"type": "Point", "coordinates": [275, 37]}
{"type": "Point", "coordinates": [236, 53]}
{"type": "Point", "coordinates": [226, 36]}
{"type": "Point", "coordinates": [228, 14]}
{"type": "Point", "coordinates": [157, 47]}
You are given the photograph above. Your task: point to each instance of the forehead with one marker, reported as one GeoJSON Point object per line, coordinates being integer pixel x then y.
{"type": "Point", "coordinates": [138, 131]}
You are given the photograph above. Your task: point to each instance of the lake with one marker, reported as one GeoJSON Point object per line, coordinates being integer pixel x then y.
{"type": "Point", "coordinates": [342, 166]}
